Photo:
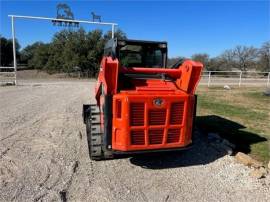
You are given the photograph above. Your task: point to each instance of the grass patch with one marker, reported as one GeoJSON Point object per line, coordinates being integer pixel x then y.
{"type": "Point", "coordinates": [228, 109]}
{"type": "Point", "coordinates": [239, 115]}
{"type": "Point", "coordinates": [257, 96]}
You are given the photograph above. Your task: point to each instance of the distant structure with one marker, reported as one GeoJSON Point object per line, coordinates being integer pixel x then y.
{"type": "Point", "coordinates": [95, 17]}
{"type": "Point", "coordinates": [64, 12]}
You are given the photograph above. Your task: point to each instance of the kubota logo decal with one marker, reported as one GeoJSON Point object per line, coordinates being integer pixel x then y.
{"type": "Point", "coordinates": [158, 102]}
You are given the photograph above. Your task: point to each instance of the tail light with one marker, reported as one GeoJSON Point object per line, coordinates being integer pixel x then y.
{"type": "Point", "coordinates": [118, 109]}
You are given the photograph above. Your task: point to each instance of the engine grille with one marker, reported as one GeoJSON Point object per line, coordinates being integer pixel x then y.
{"type": "Point", "coordinates": [177, 111]}
{"type": "Point", "coordinates": [173, 135]}
{"type": "Point", "coordinates": [153, 131]}
{"type": "Point", "coordinates": [137, 137]}
{"type": "Point", "coordinates": [155, 136]}
{"type": "Point", "coordinates": [137, 114]}
{"type": "Point", "coordinates": [157, 117]}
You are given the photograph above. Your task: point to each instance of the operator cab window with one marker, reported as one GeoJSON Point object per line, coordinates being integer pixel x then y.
{"type": "Point", "coordinates": [141, 56]}
{"type": "Point", "coordinates": [130, 55]}
{"type": "Point", "coordinates": [154, 58]}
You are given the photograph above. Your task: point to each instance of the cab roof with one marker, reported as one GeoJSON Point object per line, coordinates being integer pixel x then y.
{"type": "Point", "coordinates": [123, 42]}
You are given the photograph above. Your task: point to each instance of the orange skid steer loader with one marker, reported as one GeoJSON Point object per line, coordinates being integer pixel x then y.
{"type": "Point", "coordinates": [141, 106]}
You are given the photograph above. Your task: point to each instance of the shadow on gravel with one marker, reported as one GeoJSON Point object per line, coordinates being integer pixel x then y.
{"type": "Point", "coordinates": [202, 152]}
{"type": "Point", "coordinates": [230, 130]}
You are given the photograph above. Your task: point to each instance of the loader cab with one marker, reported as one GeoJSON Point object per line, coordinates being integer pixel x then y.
{"type": "Point", "coordinates": [137, 53]}
{"type": "Point", "coordinates": [141, 106]}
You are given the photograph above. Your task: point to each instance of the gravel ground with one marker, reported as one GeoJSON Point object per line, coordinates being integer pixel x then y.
{"type": "Point", "coordinates": [43, 157]}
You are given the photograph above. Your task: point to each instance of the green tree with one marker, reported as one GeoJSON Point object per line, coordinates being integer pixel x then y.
{"type": "Point", "coordinates": [70, 51]}
{"type": "Point", "coordinates": [6, 51]}
{"type": "Point", "coordinates": [28, 52]}
{"type": "Point", "coordinates": [119, 34]}
{"type": "Point", "coordinates": [40, 57]}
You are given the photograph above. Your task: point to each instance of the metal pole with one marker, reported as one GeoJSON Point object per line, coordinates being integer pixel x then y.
{"type": "Point", "coordinates": [14, 49]}
{"type": "Point", "coordinates": [112, 31]}
{"type": "Point", "coordinates": [51, 19]}
{"type": "Point", "coordinates": [209, 78]}
{"type": "Point", "coordinates": [268, 79]}
{"type": "Point", "coordinates": [240, 78]}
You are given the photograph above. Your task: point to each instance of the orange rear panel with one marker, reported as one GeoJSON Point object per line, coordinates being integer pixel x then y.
{"type": "Point", "coordinates": [140, 124]}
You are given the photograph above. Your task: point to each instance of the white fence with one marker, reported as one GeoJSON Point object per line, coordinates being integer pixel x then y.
{"type": "Point", "coordinates": [8, 75]}
{"type": "Point", "coordinates": [209, 78]}
{"type": "Point", "coordinates": [239, 78]}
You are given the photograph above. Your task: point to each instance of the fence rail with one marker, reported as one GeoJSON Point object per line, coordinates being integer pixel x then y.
{"type": "Point", "coordinates": [239, 78]}
{"type": "Point", "coordinates": [209, 78]}
{"type": "Point", "coordinates": [7, 76]}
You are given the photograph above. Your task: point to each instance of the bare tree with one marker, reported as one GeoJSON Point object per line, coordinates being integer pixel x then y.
{"type": "Point", "coordinates": [264, 57]}
{"type": "Point", "coordinates": [201, 57]}
{"type": "Point", "coordinates": [226, 60]}
{"type": "Point", "coordinates": [244, 57]}
{"type": "Point", "coordinates": [172, 61]}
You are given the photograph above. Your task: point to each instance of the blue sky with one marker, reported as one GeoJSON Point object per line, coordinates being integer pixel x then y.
{"type": "Point", "coordinates": [188, 26]}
